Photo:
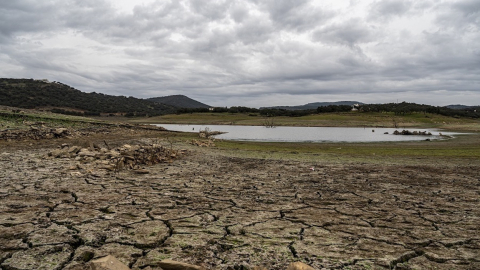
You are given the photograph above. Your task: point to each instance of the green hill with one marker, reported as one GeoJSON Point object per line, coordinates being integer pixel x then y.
{"type": "Point", "coordinates": [314, 105]}
{"type": "Point", "coordinates": [180, 101]}
{"type": "Point", "coordinates": [61, 98]}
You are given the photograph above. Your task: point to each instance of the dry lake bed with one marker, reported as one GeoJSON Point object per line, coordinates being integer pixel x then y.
{"type": "Point", "coordinates": [225, 212]}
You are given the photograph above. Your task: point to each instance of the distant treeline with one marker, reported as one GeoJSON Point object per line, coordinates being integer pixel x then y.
{"type": "Point", "coordinates": [407, 108]}
{"type": "Point", "coordinates": [32, 94]}
{"type": "Point", "coordinates": [270, 111]}
{"type": "Point", "coordinates": [60, 98]}
{"type": "Point", "coordinates": [396, 108]}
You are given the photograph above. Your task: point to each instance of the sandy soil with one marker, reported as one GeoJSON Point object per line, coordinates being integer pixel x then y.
{"type": "Point", "coordinates": [235, 213]}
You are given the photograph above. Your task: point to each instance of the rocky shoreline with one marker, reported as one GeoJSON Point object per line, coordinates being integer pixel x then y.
{"type": "Point", "coordinates": [60, 209]}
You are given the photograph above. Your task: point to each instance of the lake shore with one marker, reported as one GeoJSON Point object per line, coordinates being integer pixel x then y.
{"type": "Point", "coordinates": [348, 119]}
{"type": "Point", "coordinates": [233, 205]}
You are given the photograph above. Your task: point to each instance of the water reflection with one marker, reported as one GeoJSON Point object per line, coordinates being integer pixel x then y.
{"type": "Point", "coordinates": [308, 134]}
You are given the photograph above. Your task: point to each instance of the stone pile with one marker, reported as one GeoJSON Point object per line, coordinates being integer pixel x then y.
{"type": "Point", "coordinates": [111, 263]}
{"type": "Point", "coordinates": [126, 157]}
{"type": "Point", "coordinates": [34, 133]}
{"type": "Point", "coordinates": [408, 132]}
{"type": "Point", "coordinates": [203, 143]}
{"type": "Point", "coordinates": [208, 134]}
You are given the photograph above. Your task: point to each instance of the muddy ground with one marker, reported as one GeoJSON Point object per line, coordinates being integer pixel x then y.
{"type": "Point", "coordinates": [231, 213]}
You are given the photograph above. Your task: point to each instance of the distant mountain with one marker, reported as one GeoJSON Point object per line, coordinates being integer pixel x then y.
{"type": "Point", "coordinates": [61, 98]}
{"type": "Point", "coordinates": [179, 101]}
{"type": "Point", "coordinates": [314, 105]}
{"type": "Point", "coordinates": [461, 107]}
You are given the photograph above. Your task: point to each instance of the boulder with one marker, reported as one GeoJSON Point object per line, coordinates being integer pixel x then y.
{"type": "Point", "coordinates": [74, 149]}
{"type": "Point", "coordinates": [86, 153]}
{"type": "Point", "coordinates": [299, 266]}
{"type": "Point", "coordinates": [140, 171]}
{"type": "Point", "coordinates": [57, 153]}
{"type": "Point", "coordinates": [108, 263]}
{"type": "Point", "coordinates": [60, 131]}
{"type": "Point", "coordinates": [173, 265]}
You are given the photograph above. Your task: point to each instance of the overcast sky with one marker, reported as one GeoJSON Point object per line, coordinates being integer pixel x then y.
{"type": "Point", "coordinates": [250, 52]}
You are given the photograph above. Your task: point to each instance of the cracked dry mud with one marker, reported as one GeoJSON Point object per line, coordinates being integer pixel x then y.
{"type": "Point", "coordinates": [223, 212]}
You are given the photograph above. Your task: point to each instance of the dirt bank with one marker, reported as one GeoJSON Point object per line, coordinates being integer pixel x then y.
{"type": "Point", "coordinates": [224, 213]}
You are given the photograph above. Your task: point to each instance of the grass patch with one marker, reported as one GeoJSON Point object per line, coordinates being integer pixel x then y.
{"type": "Point", "coordinates": [11, 120]}
{"type": "Point", "coordinates": [465, 147]}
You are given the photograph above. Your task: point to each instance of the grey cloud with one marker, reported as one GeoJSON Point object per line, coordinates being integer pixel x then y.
{"type": "Point", "coordinates": [215, 10]}
{"type": "Point", "coordinates": [295, 15]}
{"type": "Point", "coordinates": [247, 50]}
{"type": "Point", "coordinates": [25, 16]}
{"type": "Point", "coordinates": [349, 33]}
{"type": "Point", "coordinates": [254, 30]}
{"type": "Point", "coordinates": [461, 15]}
{"type": "Point", "coordinates": [239, 13]}
{"type": "Point", "coordinates": [384, 10]}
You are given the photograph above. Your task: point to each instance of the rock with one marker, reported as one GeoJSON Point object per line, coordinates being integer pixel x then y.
{"type": "Point", "coordinates": [207, 143]}
{"type": "Point", "coordinates": [173, 265]}
{"type": "Point", "coordinates": [141, 171]}
{"type": "Point", "coordinates": [84, 254]}
{"type": "Point", "coordinates": [299, 266]}
{"type": "Point", "coordinates": [113, 154]}
{"type": "Point", "coordinates": [107, 167]}
{"type": "Point", "coordinates": [93, 146]}
{"type": "Point", "coordinates": [57, 153]}
{"type": "Point", "coordinates": [108, 263]}
{"type": "Point", "coordinates": [75, 266]}
{"type": "Point", "coordinates": [60, 131]}
{"type": "Point", "coordinates": [86, 153]}
{"type": "Point", "coordinates": [74, 149]}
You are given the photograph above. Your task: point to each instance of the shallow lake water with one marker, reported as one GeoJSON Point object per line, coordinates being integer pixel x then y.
{"type": "Point", "coordinates": [308, 134]}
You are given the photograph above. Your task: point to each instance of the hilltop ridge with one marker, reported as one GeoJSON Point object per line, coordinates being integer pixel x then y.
{"type": "Point", "coordinates": [314, 105]}
{"type": "Point", "coordinates": [179, 101]}
{"type": "Point", "coordinates": [61, 98]}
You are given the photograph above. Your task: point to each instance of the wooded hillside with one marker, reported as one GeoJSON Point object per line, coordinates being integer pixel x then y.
{"type": "Point", "coordinates": [180, 101]}
{"type": "Point", "coordinates": [61, 98]}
